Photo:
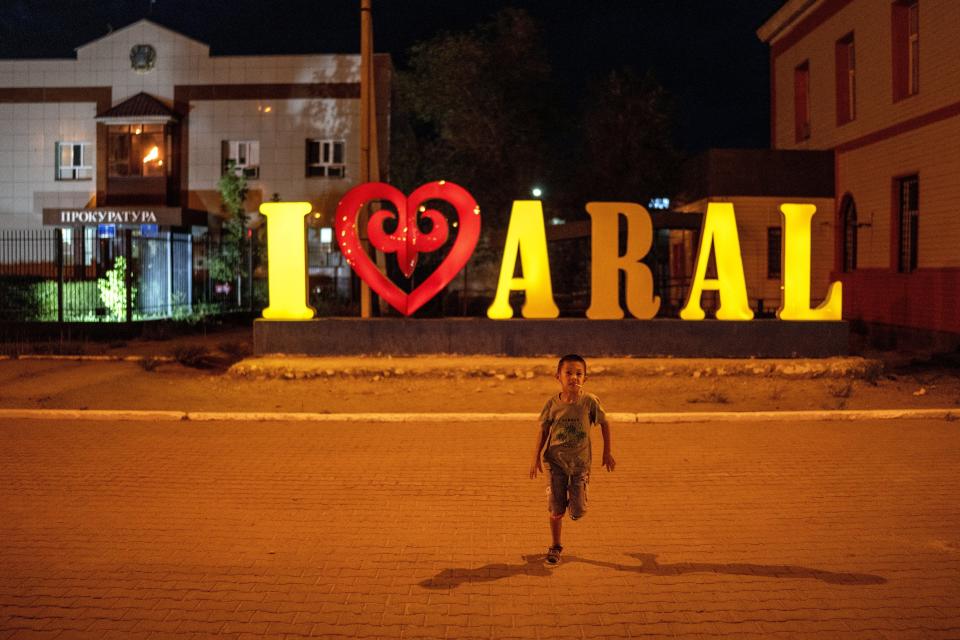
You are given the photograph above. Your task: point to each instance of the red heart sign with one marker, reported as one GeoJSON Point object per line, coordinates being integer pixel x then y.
{"type": "Point", "coordinates": [408, 240]}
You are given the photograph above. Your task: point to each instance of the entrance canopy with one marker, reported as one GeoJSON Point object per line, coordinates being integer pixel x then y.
{"type": "Point", "coordinates": [139, 109]}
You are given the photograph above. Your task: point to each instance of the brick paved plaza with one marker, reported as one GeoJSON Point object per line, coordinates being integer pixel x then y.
{"type": "Point", "coordinates": [250, 530]}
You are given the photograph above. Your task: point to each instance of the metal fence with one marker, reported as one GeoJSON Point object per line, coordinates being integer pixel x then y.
{"type": "Point", "coordinates": [61, 275]}
{"type": "Point", "coordinates": [72, 275]}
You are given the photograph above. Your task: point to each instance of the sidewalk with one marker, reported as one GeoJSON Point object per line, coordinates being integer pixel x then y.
{"type": "Point", "coordinates": [293, 530]}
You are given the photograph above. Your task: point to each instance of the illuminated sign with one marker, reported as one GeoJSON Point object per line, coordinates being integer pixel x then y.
{"type": "Point", "coordinates": [607, 264]}
{"type": "Point", "coordinates": [287, 260]}
{"type": "Point", "coordinates": [526, 245]}
{"type": "Point", "coordinates": [527, 236]}
{"type": "Point", "coordinates": [113, 215]}
{"type": "Point", "coordinates": [720, 236]}
{"type": "Point", "coordinates": [407, 240]}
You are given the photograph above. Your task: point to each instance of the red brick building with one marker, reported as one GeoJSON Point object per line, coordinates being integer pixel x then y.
{"type": "Point", "coordinates": [878, 83]}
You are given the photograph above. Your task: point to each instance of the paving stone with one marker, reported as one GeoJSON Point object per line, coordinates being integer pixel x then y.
{"type": "Point", "coordinates": [266, 530]}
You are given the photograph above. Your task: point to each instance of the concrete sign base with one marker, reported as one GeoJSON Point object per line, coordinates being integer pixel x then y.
{"type": "Point", "coordinates": [526, 337]}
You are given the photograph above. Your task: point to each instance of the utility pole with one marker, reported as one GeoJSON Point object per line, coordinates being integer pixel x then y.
{"type": "Point", "coordinates": [369, 160]}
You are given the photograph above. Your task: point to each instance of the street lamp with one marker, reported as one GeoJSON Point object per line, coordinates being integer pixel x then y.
{"type": "Point", "coordinates": [536, 192]}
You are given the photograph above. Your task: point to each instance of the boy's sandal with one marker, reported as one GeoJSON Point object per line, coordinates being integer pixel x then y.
{"type": "Point", "coordinates": [553, 554]}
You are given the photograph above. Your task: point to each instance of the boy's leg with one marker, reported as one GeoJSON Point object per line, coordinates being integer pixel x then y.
{"type": "Point", "coordinates": [577, 502]}
{"type": "Point", "coordinates": [556, 523]}
{"type": "Point", "coordinates": [557, 503]}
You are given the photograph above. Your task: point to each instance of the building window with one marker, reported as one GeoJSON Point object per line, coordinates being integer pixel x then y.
{"type": "Point", "coordinates": [774, 252]}
{"type": "Point", "coordinates": [801, 101]}
{"type": "Point", "coordinates": [325, 158]}
{"type": "Point", "coordinates": [906, 48]}
{"type": "Point", "coordinates": [136, 150]}
{"type": "Point", "coordinates": [909, 214]}
{"type": "Point", "coordinates": [846, 80]}
{"type": "Point", "coordinates": [245, 154]}
{"type": "Point", "coordinates": [848, 223]}
{"type": "Point", "coordinates": [73, 161]}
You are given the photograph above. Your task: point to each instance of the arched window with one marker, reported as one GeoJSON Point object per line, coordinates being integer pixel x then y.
{"type": "Point", "coordinates": [848, 223]}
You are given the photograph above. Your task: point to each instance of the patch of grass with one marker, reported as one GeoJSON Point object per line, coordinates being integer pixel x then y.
{"type": "Point", "coordinates": [841, 389]}
{"type": "Point", "coordinates": [714, 396]}
{"type": "Point", "coordinates": [872, 375]}
{"type": "Point", "coordinates": [150, 364]}
{"type": "Point", "coordinates": [236, 349]}
{"type": "Point", "coordinates": [196, 357]}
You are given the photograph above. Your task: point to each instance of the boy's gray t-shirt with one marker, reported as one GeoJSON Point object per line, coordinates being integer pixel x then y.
{"type": "Point", "coordinates": [568, 445]}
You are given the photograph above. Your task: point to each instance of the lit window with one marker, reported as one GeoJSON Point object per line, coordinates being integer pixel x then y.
{"type": "Point", "coordinates": [74, 161]}
{"type": "Point", "coordinates": [909, 213]}
{"type": "Point", "coordinates": [325, 158]}
{"type": "Point", "coordinates": [801, 101]}
{"type": "Point", "coordinates": [245, 154]}
{"type": "Point", "coordinates": [137, 151]}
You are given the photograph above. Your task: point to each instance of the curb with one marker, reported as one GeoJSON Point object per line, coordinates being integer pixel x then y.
{"type": "Point", "coordinates": [119, 415]}
{"type": "Point", "coordinates": [87, 358]}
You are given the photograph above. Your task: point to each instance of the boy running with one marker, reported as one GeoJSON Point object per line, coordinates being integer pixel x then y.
{"type": "Point", "coordinates": [565, 430]}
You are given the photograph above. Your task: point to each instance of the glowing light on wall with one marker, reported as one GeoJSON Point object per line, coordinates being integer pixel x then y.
{"type": "Point", "coordinates": [287, 251]}
{"type": "Point", "coordinates": [527, 235]}
{"type": "Point", "coordinates": [408, 240]}
{"type": "Point", "coordinates": [796, 270]}
{"type": "Point", "coordinates": [607, 264]}
{"type": "Point", "coordinates": [152, 155]}
{"type": "Point", "coordinates": [719, 234]}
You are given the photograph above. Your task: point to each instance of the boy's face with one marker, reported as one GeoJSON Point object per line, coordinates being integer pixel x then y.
{"type": "Point", "coordinates": [572, 375]}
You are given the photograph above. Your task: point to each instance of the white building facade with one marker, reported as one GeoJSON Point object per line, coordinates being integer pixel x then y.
{"type": "Point", "coordinates": [139, 127]}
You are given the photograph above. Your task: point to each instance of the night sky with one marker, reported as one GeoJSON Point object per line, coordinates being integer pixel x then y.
{"type": "Point", "coordinates": [704, 51]}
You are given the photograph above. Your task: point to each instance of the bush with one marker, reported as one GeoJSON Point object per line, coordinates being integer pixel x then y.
{"type": "Point", "coordinates": [113, 290]}
{"type": "Point", "coordinates": [28, 300]}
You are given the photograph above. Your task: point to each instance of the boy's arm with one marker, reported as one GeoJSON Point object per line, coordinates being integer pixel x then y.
{"type": "Point", "coordinates": [608, 460]}
{"type": "Point", "coordinates": [542, 435]}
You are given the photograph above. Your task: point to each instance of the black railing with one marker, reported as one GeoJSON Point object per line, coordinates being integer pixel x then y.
{"type": "Point", "coordinates": [55, 275]}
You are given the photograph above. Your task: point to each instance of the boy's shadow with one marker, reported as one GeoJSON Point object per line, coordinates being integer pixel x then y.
{"type": "Point", "coordinates": [533, 566]}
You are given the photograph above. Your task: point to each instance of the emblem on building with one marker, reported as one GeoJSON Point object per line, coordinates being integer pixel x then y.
{"type": "Point", "coordinates": [143, 57]}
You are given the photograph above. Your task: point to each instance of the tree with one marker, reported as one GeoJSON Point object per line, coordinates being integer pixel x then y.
{"type": "Point", "coordinates": [228, 265]}
{"type": "Point", "coordinates": [476, 109]}
{"type": "Point", "coordinates": [484, 109]}
{"type": "Point", "coordinates": [628, 139]}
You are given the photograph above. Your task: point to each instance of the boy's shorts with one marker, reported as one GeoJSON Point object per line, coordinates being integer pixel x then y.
{"type": "Point", "coordinates": [568, 491]}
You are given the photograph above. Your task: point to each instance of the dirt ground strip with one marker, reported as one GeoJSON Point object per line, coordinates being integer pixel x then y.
{"type": "Point", "coordinates": [159, 378]}
{"type": "Point", "coordinates": [352, 385]}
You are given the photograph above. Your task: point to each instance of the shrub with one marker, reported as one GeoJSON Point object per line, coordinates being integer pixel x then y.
{"type": "Point", "coordinates": [113, 290]}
